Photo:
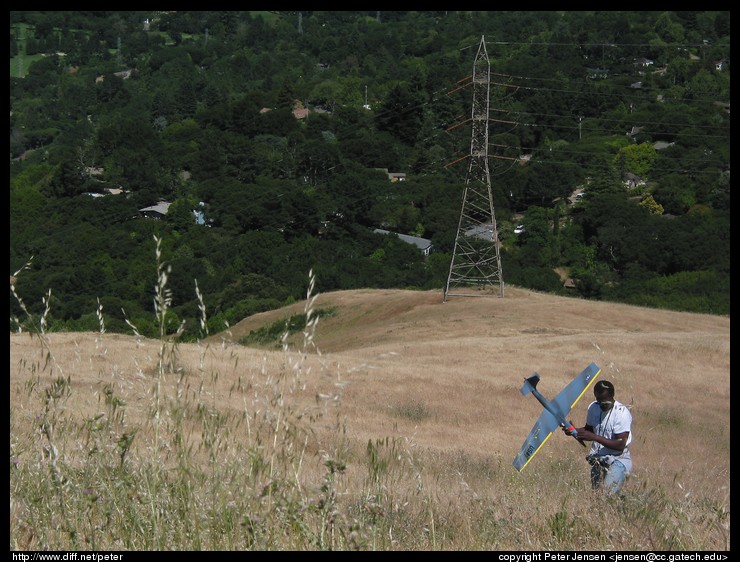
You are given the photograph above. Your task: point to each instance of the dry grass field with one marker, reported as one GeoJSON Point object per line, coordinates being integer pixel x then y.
{"type": "Point", "coordinates": [390, 424]}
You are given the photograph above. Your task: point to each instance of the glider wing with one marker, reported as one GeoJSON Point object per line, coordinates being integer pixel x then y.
{"type": "Point", "coordinates": [555, 412]}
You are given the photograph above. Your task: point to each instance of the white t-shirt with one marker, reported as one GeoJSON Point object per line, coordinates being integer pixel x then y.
{"type": "Point", "coordinates": [608, 424]}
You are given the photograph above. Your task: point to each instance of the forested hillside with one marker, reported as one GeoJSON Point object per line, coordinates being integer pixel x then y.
{"type": "Point", "coordinates": [270, 137]}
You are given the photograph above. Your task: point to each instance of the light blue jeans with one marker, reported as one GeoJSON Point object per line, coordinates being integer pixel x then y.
{"type": "Point", "coordinates": [610, 477]}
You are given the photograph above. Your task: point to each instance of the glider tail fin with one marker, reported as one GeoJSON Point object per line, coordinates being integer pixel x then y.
{"type": "Point", "coordinates": [530, 384]}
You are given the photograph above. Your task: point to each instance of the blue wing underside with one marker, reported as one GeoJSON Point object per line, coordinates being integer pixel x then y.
{"type": "Point", "coordinates": [547, 423]}
{"type": "Point", "coordinates": [541, 432]}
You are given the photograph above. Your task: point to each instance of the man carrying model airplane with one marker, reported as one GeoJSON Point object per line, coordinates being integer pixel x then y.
{"type": "Point", "coordinates": [609, 428]}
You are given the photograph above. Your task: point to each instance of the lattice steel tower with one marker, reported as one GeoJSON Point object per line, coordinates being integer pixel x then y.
{"type": "Point", "coordinates": [476, 259]}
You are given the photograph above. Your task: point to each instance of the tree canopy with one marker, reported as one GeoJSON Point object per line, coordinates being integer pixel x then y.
{"type": "Point", "coordinates": [271, 136]}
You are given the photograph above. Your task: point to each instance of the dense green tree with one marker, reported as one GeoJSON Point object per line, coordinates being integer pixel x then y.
{"type": "Point", "coordinates": [675, 193]}
{"type": "Point", "coordinates": [536, 243]}
{"type": "Point", "coordinates": [635, 158]}
{"type": "Point", "coordinates": [401, 114]}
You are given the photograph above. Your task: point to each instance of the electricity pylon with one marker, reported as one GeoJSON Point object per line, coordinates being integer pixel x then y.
{"type": "Point", "coordinates": [476, 259]}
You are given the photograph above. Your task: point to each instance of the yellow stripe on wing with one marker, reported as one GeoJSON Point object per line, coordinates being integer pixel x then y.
{"type": "Point", "coordinates": [585, 388]}
{"type": "Point", "coordinates": [536, 451]}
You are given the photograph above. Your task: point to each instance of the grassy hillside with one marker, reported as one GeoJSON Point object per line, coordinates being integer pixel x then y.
{"type": "Point", "coordinates": [389, 424]}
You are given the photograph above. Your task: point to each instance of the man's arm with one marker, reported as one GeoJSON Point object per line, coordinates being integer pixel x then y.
{"type": "Point", "coordinates": [618, 443]}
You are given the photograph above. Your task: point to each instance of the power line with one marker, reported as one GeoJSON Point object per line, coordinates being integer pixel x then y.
{"type": "Point", "coordinates": [613, 45]}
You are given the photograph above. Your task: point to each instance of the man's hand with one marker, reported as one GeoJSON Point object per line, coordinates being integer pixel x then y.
{"type": "Point", "coordinates": [569, 429]}
{"type": "Point", "coordinates": [585, 434]}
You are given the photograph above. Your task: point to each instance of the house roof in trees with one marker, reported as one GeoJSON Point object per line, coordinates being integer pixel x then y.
{"type": "Point", "coordinates": [160, 208]}
{"type": "Point", "coordinates": [423, 244]}
{"type": "Point", "coordinates": [301, 113]}
{"type": "Point", "coordinates": [482, 231]}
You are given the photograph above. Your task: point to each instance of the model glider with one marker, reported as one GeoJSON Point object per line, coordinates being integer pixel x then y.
{"type": "Point", "coordinates": [555, 412]}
